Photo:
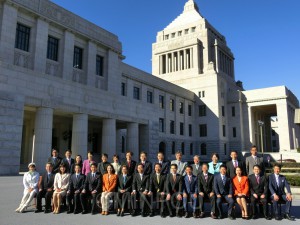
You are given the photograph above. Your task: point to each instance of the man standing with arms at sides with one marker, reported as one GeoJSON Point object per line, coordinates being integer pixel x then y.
{"type": "Point", "coordinates": [253, 160]}
{"type": "Point", "coordinates": [131, 164]}
{"type": "Point", "coordinates": [165, 165]}
{"type": "Point", "coordinates": [55, 160]}
{"type": "Point", "coordinates": [196, 166]}
{"type": "Point", "coordinates": [234, 163]}
{"type": "Point", "coordinates": [68, 161]}
{"type": "Point", "coordinates": [180, 165]}
{"type": "Point", "coordinates": [146, 164]}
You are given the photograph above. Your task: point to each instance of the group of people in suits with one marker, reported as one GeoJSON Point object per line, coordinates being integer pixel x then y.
{"type": "Point", "coordinates": [172, 187]}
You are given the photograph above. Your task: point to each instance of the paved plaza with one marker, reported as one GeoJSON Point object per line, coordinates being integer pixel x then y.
{"type": "Point", "coordinates": [11, 193]}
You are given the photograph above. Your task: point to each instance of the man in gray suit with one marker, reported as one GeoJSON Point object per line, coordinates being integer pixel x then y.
{"type": "Point", "coordinates": [180, 165]}
{"type": "Point", "coordinates": [196, 166]}
{"type": "Point", "coordinates": [253, 160]}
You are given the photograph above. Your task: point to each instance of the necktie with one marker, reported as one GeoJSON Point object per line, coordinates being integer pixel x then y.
{"type": "Point", "coordinates": [235, 164]}
{"type": "Point", "coordinates": [197, 166]}
{"type": "Point", "coordinates": [190, 179]}
{"type": "Point", "coordinates": [48, 177]}
{"type": "Point", "coordinates": [128, 164]}
{"type": "Point", "coordinates": [141, 176]}
{"type": "Point", "coordinates": [277, 180]}
{"type": "Point", "coordinates": [224, 180]}
{"type": "Point", "coordinates": [255, 160]}
{"type": "Point", "coordinates": [124, 179]}
{"type": "Point", "coordinates": [93, 175]}
{"type": "Point", "coordinates": [257, 179]}
{"type": "Point", "coordinates": [205, 176]}
{"type": "Point", "coordinates": [157, 177]}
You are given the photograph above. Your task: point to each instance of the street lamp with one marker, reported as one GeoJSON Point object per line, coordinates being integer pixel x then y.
{"type": "Point", "coordinates": [261, 124]}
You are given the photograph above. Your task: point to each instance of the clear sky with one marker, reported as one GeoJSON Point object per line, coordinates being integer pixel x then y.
{"type": "Point", "coordinates": [264, 35]}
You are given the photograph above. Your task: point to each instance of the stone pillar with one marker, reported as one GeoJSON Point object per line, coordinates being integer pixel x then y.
{"type": "Point", "coordinates": [91, 64]}
{"type": "Point", "coordinates": [41, 39]}
{"type": "Point", "coordinates": [284, 130]}
{"type": "Point", "coordinates": [43, 137]}
{"type": "Point", "coordinates": [109, 137]}
{"type": "Point", "coordinates": [80, 134]}
{"type": "Point", "coordinates": [133, 139]}
{"type": "Point", "coordinates": [8, 33]}
{"type": "Point", "coordinates": [68, 53]}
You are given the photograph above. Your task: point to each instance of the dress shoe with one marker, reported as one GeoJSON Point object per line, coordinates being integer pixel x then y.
{"type": "Point", "coordinates": [231, 217]}
{"type": "Point", "coordinates": [254, 217]}
{"type": "Point", "coordinates": [151, 214]}
{"type": "Point", "coordinates": [133, 213]}
{"type": "Point", "coordinates": [162, 215]}
{"type": "Point", "coordinates": [119, 213]}
{"type": "Point", "coordinates": [186, 215]}
{"type": "Point", "coordinates": [268, 218]}
{"type": "Point", "coordinates": [84, 212]}
{"type": "Point", "coordinates": [94, 213]}
{"type": "Point", "coordinates": [213, 216]}
{"type": "Point", "coordinates": [278, 217]}
{"type": "Point", "coordinates": [76, 212]}
{"type": "Point", "coordinates": [194, 215]}
{"type": "Point", "coordinates": [202, 215]}
{"type": "Point", "coordinates": [143, 214]}
{"type": "Point", "coordinates": [69, 212]}
{"type": "Point", "coordinates": [220, 217]}
{"type": "Point", "coordinates": [47, 211]}
{"type": "Point", "coordinates": [178, 215]}
{"type": "Point", "coordinates": [287, 216]}
{"type": "Point", "coordinates": [171, 214]}
{"type": "Point", "coordinates": [38, 211]}
{"type": "Point", "coordinates": [122, 214]}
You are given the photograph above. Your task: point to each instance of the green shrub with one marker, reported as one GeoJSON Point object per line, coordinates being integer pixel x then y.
{"type": "Point", "coordinates": [293, 180]}
{"type": "Point", "coordinates": [298, 150]}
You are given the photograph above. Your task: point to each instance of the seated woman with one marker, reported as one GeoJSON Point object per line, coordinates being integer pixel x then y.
{"type": "Point", "coordinates": [30, 182]}
{"type": "Point", "coordinates": [108, 187]}
{"type": "Point", "coordinates": [241, 191]}
{"type": "Point", "coordinates": [61, 185]}
{"type": "Point", "coordinates": [214, 165]}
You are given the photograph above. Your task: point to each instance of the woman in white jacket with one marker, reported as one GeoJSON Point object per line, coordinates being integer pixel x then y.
{"type": "Point", "coordinates": [30, 182]}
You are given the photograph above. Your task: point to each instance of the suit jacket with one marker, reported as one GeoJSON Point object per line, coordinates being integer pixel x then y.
{"type": "Point", "coordinates": [76, 184]}
{"type": "Point", "coordinates": [110, 184]}
{"type": "Point", "coordinates": [140, 185]}
{"type": "Point", "coordinates": [283, 183]}
{"type": "Point", "coordinates": [190, 187]}
{"type": "Point", "coordinates": [73, 168]}
{"type": "Point", "coordinates": [231, 168]}
{"type": "Point", "coordinates": [261, 188]}
{"type": "Point", "coordinates": [220, 188]}
{"type": "Point", "coordinates": [56, 163]}
{"type": "Point", "coordinates": [102, 166]}
{"type": "Point", "coordinates": [68, 166]}
{"type": "Point", "coordinates": [240, 187]}
{"type": "Point", "coordinates": [196, 171]}
{"type": "Point", "coordinates": [127, 186]}
{"type": "Point", "coordinates": [61, 181]}
{"type": "Point", "coordinates": [131, 167]}
{"type": "Point", "coordinates": [250, 162]}
{"type": "Point", "coordinates": [174, 187]}
{"type": "Point", "coordinates": [165, 167]}
{"type": "Point", "coordinates": [156, 186]}
{"type": "Point", "coordinates": [92, 184]}
{"type": "Point", "coordinates": [147, 168]}
{"type": "Point", "coordinates": [181, 167]}
{"type": "Point", "coordinates": [47, 183]}
{"type": "Point", "coordinates": [203, 186]}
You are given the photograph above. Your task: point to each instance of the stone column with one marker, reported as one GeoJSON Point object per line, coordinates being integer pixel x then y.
{"type": "Point", "coordinates": [91, 64]}
{"type": "Point", "coordinates": [68, 53]}
{"type": "Point", "coordinates": [109, 137]}
{"type": "Point", "coordinates": [80, 135]}
{"type": "Point", "coordinates": [284, 130]}
{"type": "Point", "coordinates": [43, 137]}
{"type": "Point", "coordinates": [133, 139]}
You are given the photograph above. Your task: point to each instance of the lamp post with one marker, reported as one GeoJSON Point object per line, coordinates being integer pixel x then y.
{"type": "Point", "coordinates": [261, 124]}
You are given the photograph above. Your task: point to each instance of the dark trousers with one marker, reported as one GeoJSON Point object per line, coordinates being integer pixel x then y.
{"type": "Point", "coordinates": [190, 197]}
{"type": "Point", "coordinates": [230, 202]}
{"type": "Point", "coordinates": [44, 194]}
{"type": "Point", "coordinates": [276, 205]}
{"type": "Point", "coordinates": [122, 199]}
{"type": "Point", "coordinates": [158, 200]}
{"type": "Point", "coordinates": [212, 202]}
{"type": "Point", "coordinates": [174, 203]}
{"type": "Point", "coordinates": [74, 202]}
{"type": "Point", "coordinates": [84, 201]}
{"type": "Point", "coordinates": [264, 202]}
{"type": "Point", "coordinates": [142, 200]}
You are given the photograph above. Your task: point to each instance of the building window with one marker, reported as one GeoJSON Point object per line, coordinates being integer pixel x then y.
{"type": "Point", "coordinates": [193, 29]}
{"type": "Point", "coordinates": [173, 147]}
{"type": "Point", "coordinates": [186, 31]}
{"type": "Point", "coordinates": [225, 149]}
{"type": "Point", "coordinates": [233, 111]}
{"type": "Point", "coordinates": [161, 125]}
{"type": "Point", "coordinates": [203, 149]}
{"type": "Point", "coordinates": [181, 107]}
{"type": "Point", "coordinates": [191, 149]}
{"type": "Point", "coordinates": [123, 89]}
{"type": "Point", "coordinates": [52, 48]}
{"type": "Point", "coordinates": [149, 96]}
{"type": "Point", "coordinates": [203, 130]}
{"type": "Point", "coordinates": [136, 93]}
{"type": "Point", "coordinates": [202, 110]}
{"type": "Point", "coordinates": [179, 33]}
{"type": "Point", "coordinates": [173, 35]}
{"type": "Point", "coordinates": [224, 131]}
{"type": "Point", "coordinates": [199, 94]}
{"type": "Point", "coordinates": [99, 65]}
{"type": "Point", "coordinates": [161, 102]}
{"type": "Point", "coordinates": [77, 58]}
{"type": "Point", "coordinates": [172, 106]}
{"type": "Point", "coordinates": [203, 94]}
{"type": "Point", "coordinates": [190, 110]}
{"type": "Point", "coordinates": [166, 37]}
{"type": "Point", "coordinates": [123, 144]}
{"type": "Point", "coordinates": [182, 148]}
{"type": "Point", "coordinates": [190, 130]}
{"type": "Point", "coordinates": [181, 129]}
{"type": "Point", "coordinates": [22, 37]}
{"type": "Point", "coordinates": [234, 132]}
{"type": "Point", "coordinates": [172, 127]}
{"type": "Point", "coordinates": [223, 111]}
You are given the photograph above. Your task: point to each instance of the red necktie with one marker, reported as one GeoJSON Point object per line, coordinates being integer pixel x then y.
{"type": "Point", "coordinates": [257, 179]}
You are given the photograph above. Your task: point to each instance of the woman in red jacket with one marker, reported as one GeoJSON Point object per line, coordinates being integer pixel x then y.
{"type": "Point", "coordinates": [241, 191]}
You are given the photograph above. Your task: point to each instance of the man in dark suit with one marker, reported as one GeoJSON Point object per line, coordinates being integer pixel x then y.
{"type": "Point", "coordinates": [174, 190]}
{"type": "Point", "coordinates": [93, 188]}
{"type": "Point", "coordinates": [234, 163]}
{"type": "Point", "coordinates": [206, 191]}
{"type": "Point", "coordinates": [45, 190]}
{"type": "Point", "coordinates": [147, 165]}
{"type": "Point", "coordinates": [277, 186]}
{"type": "Point", "coordinates": [196, 166]}
{"type": "Point", "coordinates": [190, 191]}
{"type": "Point", "coordinates": [76, 185]}
{"type": "Point", "coordinates": [140, 188]}
{"type": "Point", "coordinates": [253, 160]}
{"type": "Point", "coordinates": [259, 188]}
{"type": "Point", "coordinates": [102, 166]}
{"type": "Point", "coordinates": [165, 165]}
{"type": "Point", "coordinates": [68, 161]}
{"type": "Point", "coordinates": [157, 189]}
{"type": "Point", "coordinates": [124, 189]}
{"type": "Point", "coordinates": [223, 189]}
{"type": "Point", "coordinates": [55, 160]}
{"type": "Point", "coordinates": [131, 164]}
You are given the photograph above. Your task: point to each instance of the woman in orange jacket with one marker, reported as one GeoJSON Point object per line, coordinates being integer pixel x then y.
{"type": "Point", "coordinates": [109, 184]}
{"type": "Point", "coordinates": [241, 191]}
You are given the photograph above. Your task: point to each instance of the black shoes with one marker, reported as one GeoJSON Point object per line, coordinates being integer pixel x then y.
{"type": "Point", "coordinates": [213, 216]}
{"type": "Point", "coordinates": [287, 216]}
{"type": "Point", "coordinates": [84, 212]}
{"type": "Point", "coordinates": [38, 211]}
{"type": "Point", "coordinates": [277, 217]}
{"type": "Point", "coordinates": [231, 217]}
{"type": "Point", "coordinates": [202, 215]}
{"type": "Point", "coordinates": [186, 215]}
{"type": "Point", "coordinates": [122, 213]}
{"type": "Point", "coordinates": [119, 213]}
{"type": "Point", "coordinates": [143, 214]}
{"type": "Point", "coordinates": [151, 214]}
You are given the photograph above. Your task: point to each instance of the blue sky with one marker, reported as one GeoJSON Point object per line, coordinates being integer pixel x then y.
{"type": "Point", "coordinates": [264, 35]}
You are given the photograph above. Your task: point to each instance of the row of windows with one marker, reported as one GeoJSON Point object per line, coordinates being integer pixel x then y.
{"type": "Point", "coordinates": [23, 40]}
{"type": "Point", "coordinates": [232, 111]}
{"type": "Point", "coordinates": [172, 127]}
{"type": "Point", "coordinates": [203, 131]}
{"type": "Point", "coordinates": [179, 33]}
{"type": "Point", "coordinates": [203, 150]}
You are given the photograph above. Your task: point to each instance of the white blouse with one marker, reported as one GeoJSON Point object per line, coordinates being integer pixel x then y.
{"type": "Point", "coordinates": [61, 181]}
{"type": "Point", "coordinates": [31, 180]}
{"type": "Point", "coordinates": [117, 167]}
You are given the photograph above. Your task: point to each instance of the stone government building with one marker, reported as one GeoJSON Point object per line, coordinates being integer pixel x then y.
{"type": "Point", "coordinates": [63, 83]}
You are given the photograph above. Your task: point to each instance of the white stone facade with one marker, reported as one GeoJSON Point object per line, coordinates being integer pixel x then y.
{"type": "Point", "coordinates": [46, 102]}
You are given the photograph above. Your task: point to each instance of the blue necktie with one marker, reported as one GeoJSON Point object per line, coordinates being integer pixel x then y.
{"type": "Point", "coordinates": [224, 180]}
{"type": "Point", "coordinates": [124, 179]}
